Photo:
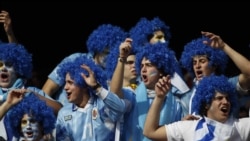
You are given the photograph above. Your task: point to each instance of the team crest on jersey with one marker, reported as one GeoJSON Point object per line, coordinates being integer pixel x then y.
{"type": "Point", "coordinates": [68, 117]}
{"type": "Point", "coordinates": [94, 113]}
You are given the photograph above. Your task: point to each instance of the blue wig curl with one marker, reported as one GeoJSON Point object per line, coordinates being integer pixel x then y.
{"type": "Point", "coordinates": [73, 67]}
{"type": "Point", "coordinates": [159, 55]}
{"type": "Point", "coordinates": [19, 56]}
{"type": "Point", "coordinates": [145, 28]}
{"type": "Point", "coordinates": [105, 36]}
{"type": "Point", "coordinates": [217, 57]}
{"type": "Point", "coordinates": [207, 88]}
{"type": "Point", "coordinates": [31, 105]}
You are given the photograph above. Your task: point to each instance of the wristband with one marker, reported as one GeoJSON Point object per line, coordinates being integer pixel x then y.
{"type": "Point", "coordinates": [122, 59]}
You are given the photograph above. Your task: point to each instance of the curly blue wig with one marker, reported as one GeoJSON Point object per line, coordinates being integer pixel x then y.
{"type": "Point", "coordinates": [144, 30]}
{"type": "Point", "coordinates": [206, 90]}
{"type": "Point", "coordinates": [217, 58]}
{"type": "Point", "coordinates": [19, 56]}
{"type": "Point", "coordinates": [105, 36]}
{"type": "Point", "coordinates": [159, 55]}
{"type": "Point", "coordinates": [112, 61]}
{"type": "Point", "coordinates": [35, 107]}
{"type": "Point", "coordinates": [73, 67]}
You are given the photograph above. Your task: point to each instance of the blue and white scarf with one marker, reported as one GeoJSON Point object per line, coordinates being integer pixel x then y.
{"type": "Point", "coordinates": [211, 130]}
{"type": "Point", "coordinates": [167, 115]}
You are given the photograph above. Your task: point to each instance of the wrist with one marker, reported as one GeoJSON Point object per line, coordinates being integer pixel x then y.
{"type": "Point", "coordinates": [95, 87]}
{"type": "Point", "coordinates": [122, 59]}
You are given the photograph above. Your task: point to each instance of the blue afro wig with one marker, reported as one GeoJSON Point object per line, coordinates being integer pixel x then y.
{"type": "Point", "coordinates": [206, 90]}
{"type": "Point", "coordinates": [217, 57]}
{"type": "Point", "coordinates": [19, 57]}
{"type": "Point", "coordinates": [105, 36]}
{"type": "Point", "coordinates": [160, 55]}
{"type": "Point", "coordinates": [144, 29]}
{"type": "Point", "coordinates": [73, 67]}
{"type": "Point", "coordinates": [34, 107]}
{"type": "Point", "coordinates": [112, 61]}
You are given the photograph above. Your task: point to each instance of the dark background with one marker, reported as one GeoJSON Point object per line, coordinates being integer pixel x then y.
{"type": "Point", "coordinates": [53, 30]}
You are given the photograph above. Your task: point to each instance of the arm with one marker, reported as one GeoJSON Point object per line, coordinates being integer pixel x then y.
{"type": "Point", "coordinates": [6, 20]}
{"type": "Point", "coordinates": [55, 105]}
{"type": "Point", "coordinates": [54, 81]}
{"type": "Point", "coordinates": [115, 105]}
{"type": "Point", "coordinates": [152, 130]}
{"type": "Point", "coordinates": [13, 98]}
{"type": "Point", "coordinates": [239, 60]}
{"type": "Point", "coordinates": [116, 83]}
{"type": "Point", "coordinates": [50, 87]}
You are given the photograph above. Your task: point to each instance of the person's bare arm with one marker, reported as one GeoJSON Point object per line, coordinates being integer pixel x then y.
{"type": "Point", "coordinates": [55, 105]}
{"type": "Point", "coordinates": [7, 24]}
{"type": "Point", "coordinates": [116, 82]}
{"type": "Point", "coordinates": [152, 129]}
{"type": "Point", "coordinates": [239, 60]}
{"type": "Point", "coordinates": [50, 87]}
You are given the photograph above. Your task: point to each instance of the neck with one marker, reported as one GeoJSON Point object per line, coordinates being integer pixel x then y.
{"type": "Point", "coordinates": [132, 83]}
{"type": "Point", "coordinates": [83, 99]}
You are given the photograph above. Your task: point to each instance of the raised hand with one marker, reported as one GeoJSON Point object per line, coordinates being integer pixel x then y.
{"type": "Point", "coordinates": [163, 86]}
{"type": "Point", "coordinates": [215, 40]}
{"type": "Point", "coordinates": [125, 48]}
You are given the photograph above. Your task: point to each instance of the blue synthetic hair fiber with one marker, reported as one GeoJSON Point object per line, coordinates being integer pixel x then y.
{"type": "Point", "coordinates": [112, 61]}
{"type": "Point", "coordinates": [31, 105]}
{"type": "Point", "coordinates": [105, 36]}
{"type": "Point", "coordinates": [73, 67]}
{"type": "Point", "coordinates": [158, 54]}
{"type": "Point", "coordinates": [217, 57]}
{"type": "Point", "coordinates": [206, 90]}
{"type": "Point", "coordinates": [145, 28]}
{"type": "Point", "coordinates": [19, 56]}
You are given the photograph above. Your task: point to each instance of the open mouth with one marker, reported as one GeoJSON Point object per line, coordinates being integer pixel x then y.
{"type": "Point", "coordinates": [199, 74]}
{"type": "Point", "coordinates": [29, 134]}
{"type": "Point", "coordinates": [144, 78]}
{"type": "Point", "coordinates": [68, 94]}
{"type": "Point", "coordinates": [4, 76]}
{"type": "Point", "coordinates": [224, 109]}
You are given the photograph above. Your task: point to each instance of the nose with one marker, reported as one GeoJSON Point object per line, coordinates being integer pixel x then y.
{"type": "Point", "coordinates": [28, 124]}
{"type": "Point", "coordinates": [143, 69]}
{"type": "Point", "coordinates": [163, 40]}
{"type": "Point", "coordinates": [197, 65]}
{"type": "Point", "coordinates": [225, 100]}
{"type": "Point", "coordinates": [66, 86]}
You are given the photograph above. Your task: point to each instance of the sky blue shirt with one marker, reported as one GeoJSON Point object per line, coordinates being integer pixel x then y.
{"type": "Point", "coordinates": [95, 122]}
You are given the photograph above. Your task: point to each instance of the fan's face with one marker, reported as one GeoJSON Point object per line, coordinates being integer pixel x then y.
{"type": "Point", "coordinates": [201, 67]}
{"type": "Point", "coordinates": [30, 128]}
{"type": "Point", "coordinates": [8, 74]}
{"type": "Point", "coordinates": [220, 108]}
{"type": "Point", "coordinates": [158, 36]}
